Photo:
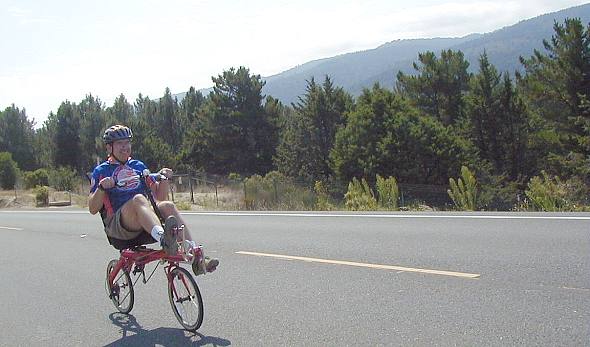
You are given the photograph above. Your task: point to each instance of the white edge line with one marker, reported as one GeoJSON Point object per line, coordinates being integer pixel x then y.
{"type": "Point", "coordinates": [368, 265]}
{"type": "Point", "coordinates": [253, 214]}
{"type": "Point", "coordinates": [336, 215]}
{"type": "Point", "coordinates": [46, 211]}
{"type": "Point", "coordinates": [9, 228]}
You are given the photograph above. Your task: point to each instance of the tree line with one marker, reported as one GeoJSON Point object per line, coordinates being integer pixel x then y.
{"type": "Point", "coordinates": [507, 128]}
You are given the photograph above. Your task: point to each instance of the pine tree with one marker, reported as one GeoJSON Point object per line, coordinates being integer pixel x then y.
{"type": "Point", "coordinates": [67, 137]}
{"type": "Point", "coordinates": [483, 108]}
{"type": "Point", "coordinates": [121, 112]}
{"type": "Point", "coordinates": [169, 124]}
{"type": "Point", "coordinates": [440, 84]}
{"type": "Point", "coordinates": [17, 135]}
{"type": "Point", "coordinates": [92, 125]}
{"type": "Point", "coordinates": [515, 134]}
{"type": "Point", "coordinates": [557, 88]}
{"type": "Point", "coordinates": [308, 138]}
{"type": "Point", "coordinates": [238, 124]}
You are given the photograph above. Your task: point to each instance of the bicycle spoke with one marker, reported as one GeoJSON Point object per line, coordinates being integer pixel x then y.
{"type": "Point", "coordinates": [121, 289]}
{"type": "Point", "coordinates": [185, 299]}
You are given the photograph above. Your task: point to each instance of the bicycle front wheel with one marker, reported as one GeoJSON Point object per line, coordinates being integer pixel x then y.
{"type": "Point", "coordinates": [121, 290]}
{"type": "Point", "coordinates": [185, 299]}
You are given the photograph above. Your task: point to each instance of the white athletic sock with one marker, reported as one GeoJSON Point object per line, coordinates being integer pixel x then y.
{"type": "Point", "coordinates": [157, 232]}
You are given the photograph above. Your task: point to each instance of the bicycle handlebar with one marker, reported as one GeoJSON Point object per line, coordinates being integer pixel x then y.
{"type": "Point", "coordinates": [157, 176]}
{"type": "Point", "coordinates": [146, 173]}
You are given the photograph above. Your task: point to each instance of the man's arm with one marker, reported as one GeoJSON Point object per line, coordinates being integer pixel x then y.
{"type": "Point", "coordinates": [163, 187]}
{"type": "Point", "coordinates": [95, 201]}
{"type": "Point", "coordinates": [96, 198]}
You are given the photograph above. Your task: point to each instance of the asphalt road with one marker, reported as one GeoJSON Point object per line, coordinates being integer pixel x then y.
{"type": "Point", "coordinates": [531, 285]}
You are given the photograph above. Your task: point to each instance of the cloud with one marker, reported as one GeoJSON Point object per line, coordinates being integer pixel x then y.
{"type": "Point", "coordinates": [25, 16]}
{"type": "Point", "coordinates": [16, 11]}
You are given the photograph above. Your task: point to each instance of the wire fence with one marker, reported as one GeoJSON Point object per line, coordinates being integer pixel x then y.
{"type": "Point", "coordinates": [206, 191]}
{"type": "Point", "coordinates": [424, 194]}
{"type": "Point", "coordinates": [202, 191]}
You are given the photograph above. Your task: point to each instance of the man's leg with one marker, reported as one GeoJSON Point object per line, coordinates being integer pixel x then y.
{"type": "Point", "coordinates": [168, 208]}
{"type": "Point", "coordinates": [137, 214]}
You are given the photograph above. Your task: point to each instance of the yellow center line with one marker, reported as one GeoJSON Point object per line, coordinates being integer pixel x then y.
{"type": "Point", "coordinates": [372, 266]}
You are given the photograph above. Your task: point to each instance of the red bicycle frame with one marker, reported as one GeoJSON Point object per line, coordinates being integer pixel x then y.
{"type": "Point", "coordinates": [143, 256]}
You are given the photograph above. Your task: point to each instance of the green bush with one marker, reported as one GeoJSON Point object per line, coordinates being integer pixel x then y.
{"type": "Point", "coordinates": [8, 171]}
{"type": "Point", "coordinates": [497, 193]}
{"type": "Point", "coordinates": [63, 179]}
{"type": "Point", "coordinates": [275, 191]}
{"type": "Point", "coordinates": [464, 191]}
{"type": "Point", "coordinates": [387, 192]}
{"type": "Point", "coordinates": [234, 177]}
{"type": "Point", "coordinates": [322, 197]}
{"type": "Point", "coordinates": [550, 194]}
{"type": "Point", "coordinates": [39, 177]}
{"type": "Point", "coordinates": [183, 205]}
{"type": "Point", "coordinates": [359, 196]}
{"type": "Point", "coordinates": [41, 195]}
{"type": "Point", "coordinates": [254, 192]}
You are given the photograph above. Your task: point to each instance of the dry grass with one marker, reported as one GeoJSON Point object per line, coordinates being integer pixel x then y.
{"type": "Point", "coordinates": [226, 199]}
{"type": "Point", "coordinates": [205, 199]}
{"type": "Point", "coordinates": [26, 198]}
{"type": "Point", "coordinates": [20, 198]}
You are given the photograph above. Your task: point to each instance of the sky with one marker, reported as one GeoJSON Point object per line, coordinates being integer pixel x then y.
{"type": "Point", "coordinates": [52, 51]}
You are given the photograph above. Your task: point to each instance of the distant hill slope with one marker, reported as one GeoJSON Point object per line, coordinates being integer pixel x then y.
{"type": "Point", "coordinates": [358, 70]}
{"type": "Point", "coordinates": [355, 71]}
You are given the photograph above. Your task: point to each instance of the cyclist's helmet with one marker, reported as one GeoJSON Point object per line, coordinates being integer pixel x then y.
{"type": "Point", "coordinates": [117, 132]}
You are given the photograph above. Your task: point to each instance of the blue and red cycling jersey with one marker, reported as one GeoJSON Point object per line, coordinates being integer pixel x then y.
{"type": "Point", "coordinates": [130, 183]}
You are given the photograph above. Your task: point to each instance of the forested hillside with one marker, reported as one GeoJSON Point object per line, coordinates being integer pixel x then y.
{"type": "Point", "coordinates": [355, 71]}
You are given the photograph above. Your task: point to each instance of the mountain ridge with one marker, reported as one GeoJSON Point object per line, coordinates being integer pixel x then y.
{"type": "Point", "coordinates": [354, 71]}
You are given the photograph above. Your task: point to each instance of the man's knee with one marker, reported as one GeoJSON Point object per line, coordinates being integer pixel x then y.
{"type": "Point", "coordinates": [140, 200]}
{"type": "Point", "coordinates": [167, 207]}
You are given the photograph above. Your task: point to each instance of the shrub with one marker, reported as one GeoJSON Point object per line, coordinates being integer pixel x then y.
{"type": "Point", "coordinates": [276, 191]}
{"type": "Point", "coordinates": [253, 191]}
{"type": "Point", "coordinates": [8, 171]}
{"type": "Point", "coordinates": [41, 195]}
{"type": "Point", "coordinates": [549, 194]}
{"type": "Point", "coordinates": [497, 193]}
{"type": "Point", "coordinates": [359, 196]}
{"type": "Point", "coordinates": [387, 192]}
{"type": "Point", "coordinates": [183, 205]}
{"type": "Point", "coordinates": [39, 177]}
{"type": "Point", "coordinates": [234, 177]}
{"type": "Point", "coordinates": [322, 197]}
{"type": "Point", "coordinates": [464, 191]}
{"type": "Point", "coordinates": [63, 178]}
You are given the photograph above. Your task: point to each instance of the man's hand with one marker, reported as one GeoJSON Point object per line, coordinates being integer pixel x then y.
{"type": "Point", "coordinates": [166, 172]}
{"type": "Point", "coordinates": [107, 183]}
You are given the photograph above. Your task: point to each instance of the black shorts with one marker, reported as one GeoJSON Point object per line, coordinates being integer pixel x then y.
{"type": "Point", "coordinates": [142, 239]}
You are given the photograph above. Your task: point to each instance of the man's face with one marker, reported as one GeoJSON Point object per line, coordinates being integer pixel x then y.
{"type": "Point", "coordinates": [122, 149]}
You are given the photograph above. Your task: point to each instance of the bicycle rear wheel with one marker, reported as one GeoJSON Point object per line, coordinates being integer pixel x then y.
{"type": "Point", "coordinates": [121, 293]}
{"type": "Point", "coordinates": [185, 299]}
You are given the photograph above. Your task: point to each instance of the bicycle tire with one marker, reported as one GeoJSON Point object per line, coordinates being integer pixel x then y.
{"type": "Point", "coordinates": [125, 303]}
{"type": "Point", "coordinates": [184, 294]}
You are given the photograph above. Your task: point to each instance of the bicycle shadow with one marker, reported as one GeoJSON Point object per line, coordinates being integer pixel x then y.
{"type": "Point", "coordinates": [159, 336]}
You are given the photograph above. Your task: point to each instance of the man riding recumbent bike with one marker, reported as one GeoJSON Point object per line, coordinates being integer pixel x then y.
{"type": "Point", "coordinates": [132, 205]}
